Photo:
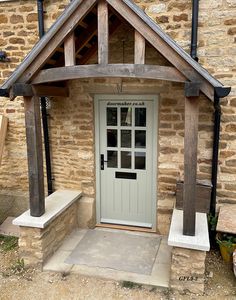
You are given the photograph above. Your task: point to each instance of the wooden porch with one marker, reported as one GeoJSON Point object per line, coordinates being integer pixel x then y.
{"type": "Point", "coordinates": [83, 31]}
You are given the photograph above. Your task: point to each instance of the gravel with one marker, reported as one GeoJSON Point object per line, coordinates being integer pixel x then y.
{"type": "Point", "coordinates": [16, 282]}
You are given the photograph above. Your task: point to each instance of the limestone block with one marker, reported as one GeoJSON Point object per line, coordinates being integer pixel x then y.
{"type": "Point", "coordinates": [86, 213]}
{"type": "Point", "coordinates": [37, 244]}
{"type": "Point", "coordinates": [187, 270]}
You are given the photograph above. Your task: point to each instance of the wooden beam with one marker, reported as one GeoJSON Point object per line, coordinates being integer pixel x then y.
{"type": "Point", "coordinates": [93, 50]}
{"type": "Point", "coordinates": [29, 90]}
{"type": "Point", "coordinates": [3, 132]}
{"type": "Point", "coordinates": [161, 43]}
{"type": "Point", "coordinates": [139, 48]}
{"type": "Point", "coordinates": [83, 39]}
{"type": "Point", "coordinates": [69, 47]}
{"type": "Point", "coordinates": [83, 24]}
{"type": "Point", "coordinates": [50, 48]}
{"type": "Point", "coordinates": [103, 32]}
{"type": "Point", "coordinates": [35, 156]}
{"type": "Point", "coordinates": [190, 164]}
{"type": "Point", "coordinates": [192, 89]}
{"type": "Point", "coordinates": [116, 70]}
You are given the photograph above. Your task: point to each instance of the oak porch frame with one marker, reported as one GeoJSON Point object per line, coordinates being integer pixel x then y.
{"type": "Point", "coordinates": [184, 69]}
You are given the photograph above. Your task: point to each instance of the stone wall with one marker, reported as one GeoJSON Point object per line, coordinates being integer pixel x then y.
{"type": "Point", "coordinates": [36, 245]}
{"type": "Point", "coordinates": [71, 120]}
{"type": "Point", "coordinates": [216, 51]}
{"type": "Point", "coordinates": [187, 270]}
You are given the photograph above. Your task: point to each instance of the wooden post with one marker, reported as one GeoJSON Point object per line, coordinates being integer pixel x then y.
{"type": "Point", "coordinates": [35, 156]}
{"type": "Point", "coordinates": [103, 32]}
{"type": "Point", "coordinates": [190, 164]}
{"type": "Point", "coordinates": [139, 48]}
{"type": "Point", "coordinates": [69, 48]}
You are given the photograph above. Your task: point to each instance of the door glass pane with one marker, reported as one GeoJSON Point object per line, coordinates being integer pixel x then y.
{"type": "Point", "coordinates": [125, 159]}
{"type": "Point", "coordinates": [140, 160]}
{"type": "Point", "coordinates": [112, 159]}
{"type": "Point", "coordinates": [140, 116]}
{"type": "Point", "coordinates": [126, 138]}
{"type": "Point", "coordinates": [111, 138]}
{"type": "Point", "coordinates": [140, 139]}
{"type": "Point", "coordinates": [111, 116]}
{"type": "Point", "coordinates": [126, 116]}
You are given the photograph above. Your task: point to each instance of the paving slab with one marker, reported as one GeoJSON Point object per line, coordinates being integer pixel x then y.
{"type": "Point", "coordinates": [7, 228]}
{"type": "Point", "coordinates": [160, 271]}
{"type": "Point", "coordinates": [116, 250]}
{"type": "Point", "coordinates": [57, 262]}
{"type": "Point", "coordinates": [227, 219]}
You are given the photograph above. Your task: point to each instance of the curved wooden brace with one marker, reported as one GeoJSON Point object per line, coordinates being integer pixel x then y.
{"type": "Point", "coordinates": [107, 71]}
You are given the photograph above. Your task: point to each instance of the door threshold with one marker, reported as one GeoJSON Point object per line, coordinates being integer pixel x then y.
{"type": "Point", "coordinates": [125, 227]}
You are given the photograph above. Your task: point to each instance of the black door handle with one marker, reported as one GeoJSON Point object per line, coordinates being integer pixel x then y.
{"type": "Point", "coordinates": [103, 161]}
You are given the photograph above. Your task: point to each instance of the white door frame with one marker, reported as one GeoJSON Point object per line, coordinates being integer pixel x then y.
{"type": "Point", "coordinates": [113, 97]}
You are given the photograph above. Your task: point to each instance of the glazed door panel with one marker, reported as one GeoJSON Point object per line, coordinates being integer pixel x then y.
{"type": "Point", "coordinates": [126, 156]}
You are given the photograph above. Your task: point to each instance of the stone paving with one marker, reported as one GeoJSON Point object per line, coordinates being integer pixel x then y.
{"type": "Point", "coordinates": [160, 269]}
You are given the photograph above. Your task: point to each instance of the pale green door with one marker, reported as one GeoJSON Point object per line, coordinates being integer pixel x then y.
{"type": "Point", "coordinates": [126, 162]}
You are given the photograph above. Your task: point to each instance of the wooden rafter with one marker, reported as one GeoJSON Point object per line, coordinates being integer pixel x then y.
{"type": "Point", "coordinates": [161, 45]}
{"type": "Point", "coordinates": [93, 50]}
{"type": "Point", "coordinates": [57, 39]}
{"type": "Point", "coordinates": [73, 17]}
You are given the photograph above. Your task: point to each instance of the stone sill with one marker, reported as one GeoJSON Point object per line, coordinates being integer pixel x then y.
{"type": "Point", "coordinates": [55, 204]}
{"type": "Point", "coordinates": [198, 242]}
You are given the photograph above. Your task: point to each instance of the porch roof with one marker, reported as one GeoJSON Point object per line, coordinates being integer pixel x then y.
{"type": "Point", "coordinates": [184, 67]}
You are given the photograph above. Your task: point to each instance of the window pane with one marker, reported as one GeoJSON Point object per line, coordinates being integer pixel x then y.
{"type": "Point", "coordinates": [111, 138]}
{"type": "Point", "coordinates": [112, 159]}
{"type": "Point", "coordinates": [125, 160]}
{"type": "Point", "coordinates": [126, 116]}
{"type": "Point", "coordinates": [140, 116]}
{"type": "Point", "coordinates": [111, 116]}
{"type": "Point", "coordinates": [140, 160]}
{"type": "Point", "coordinates": [126, 138]}
{"type": "Point", "coordinates": [140, 139]}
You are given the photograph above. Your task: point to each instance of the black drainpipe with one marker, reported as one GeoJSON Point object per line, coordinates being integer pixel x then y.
{"type": "Point", "coordinates": [216, 139]}
{"type": "Point", "coordinates": [195, 11]}
{"type": "Point", "coordinates": [44, 108]}
{"type": "Point", "coordinates": [220, 92]}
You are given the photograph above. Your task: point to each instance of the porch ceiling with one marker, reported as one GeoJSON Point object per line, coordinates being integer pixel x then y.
{"type": "Point", "coordinates": [84, 29]}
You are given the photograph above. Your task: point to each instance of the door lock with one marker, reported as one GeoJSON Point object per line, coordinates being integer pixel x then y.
{"type": "Point", "coordinates": [103, 161]}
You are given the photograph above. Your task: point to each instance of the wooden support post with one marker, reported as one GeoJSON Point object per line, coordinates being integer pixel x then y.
{"type": "Point", "coordinates": [139, 48]}
{"type": "Point", "coordinates": [190, 164]}
{"type": "Point", "coordinates": [103, 32]}
{"type": "Point", "coordinates": [69, 48]}
{"type": "Point", "coordinates": [35, 156]}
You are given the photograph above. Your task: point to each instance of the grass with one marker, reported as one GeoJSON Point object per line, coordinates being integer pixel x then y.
{"type": "Point", "coordinates": [8, 243]}
{"type": "Point", "coordinates": [130, 285]}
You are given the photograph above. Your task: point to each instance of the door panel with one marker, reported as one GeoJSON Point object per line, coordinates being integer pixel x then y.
{"type": "Point", "coordinates": [126, 156]}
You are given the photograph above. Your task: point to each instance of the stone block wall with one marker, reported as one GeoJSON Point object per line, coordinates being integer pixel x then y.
{"type": "Point", "coordinates": [187, 270]}
{"type": "Point", "coordinates": [216, 51]}
{"type": "Point", "coordinates": [71, 120]}
{"type": "Point", "coordinates": [37, 245]}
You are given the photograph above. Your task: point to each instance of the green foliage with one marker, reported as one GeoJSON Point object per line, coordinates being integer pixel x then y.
{"type": "Point", "coordinates": [130, 285]}
{"type": "Point", "coordinates": [226, 239]}
{"type": "Point", "coordinates": [18, 267]}
{"type": "Point", "coordinates": [8, 243]}
{"type": "Point", "coordinates": [212, 222]}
